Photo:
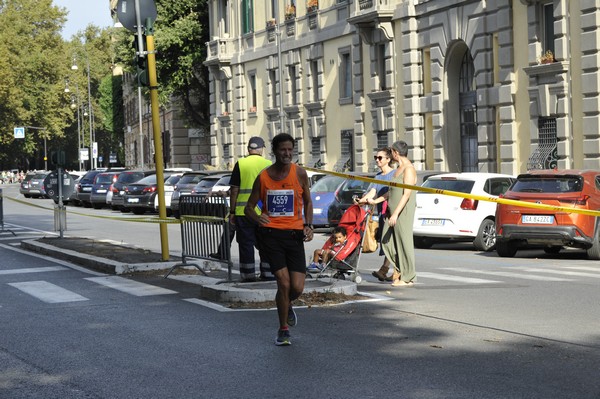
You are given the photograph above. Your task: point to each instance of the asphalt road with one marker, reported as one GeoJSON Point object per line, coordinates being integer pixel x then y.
{"type": "Point", "coordinates": [474, 326]}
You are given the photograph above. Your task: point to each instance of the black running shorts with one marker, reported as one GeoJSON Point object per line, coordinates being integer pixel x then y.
{"type": "Point", "coordinates": [282, 248]}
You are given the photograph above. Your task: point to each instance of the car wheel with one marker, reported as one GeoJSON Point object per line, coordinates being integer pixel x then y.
{"type": "Point", "coordinates": [86, 204]}
{"type": "Point", "coordinates": [593, 252]}
{"type": "Point", "coordinates": [553, 250]}
{"type": "Point", "coordinates": [486, 236]}
{"type": "Point", "coordinates": [506, 249]}
{"type": "Point", "coordinates": [114, 207]}
{"type": "Point", "coordinates": [27, 195]}
{"type": "Point", "coordinates": [125, 210]}
{"type": "Point", "coordinates": [138, 211]}
{"type": "Point", "coordinates": [422, 242]}
{"type": "Point", "coordinates": [96, 206]}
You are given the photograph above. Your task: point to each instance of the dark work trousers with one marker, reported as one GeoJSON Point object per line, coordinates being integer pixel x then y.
{"type": "Point", "coordinates": [246, 238]}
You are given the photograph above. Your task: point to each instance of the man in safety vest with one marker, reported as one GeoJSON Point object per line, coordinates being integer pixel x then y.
{"type": "Point", "coordinates": [244, 173]}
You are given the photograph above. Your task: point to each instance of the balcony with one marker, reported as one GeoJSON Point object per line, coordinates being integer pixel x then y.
{"type": "Point", "coordinates": [371, 15]}
{"type": "Point", "coordinates": [219, 51]}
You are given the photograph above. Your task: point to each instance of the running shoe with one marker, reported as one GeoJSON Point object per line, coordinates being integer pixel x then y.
{"type": "Point", "coordinates": [292, 317]}
{"type": "Point", "coordinates": [314, 267]}
{"type": "Point", "coordinates": [283, 338]}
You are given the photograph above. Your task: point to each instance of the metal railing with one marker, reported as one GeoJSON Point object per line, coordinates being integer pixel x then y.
{"type": "Point", "coordinates": [205, 231]}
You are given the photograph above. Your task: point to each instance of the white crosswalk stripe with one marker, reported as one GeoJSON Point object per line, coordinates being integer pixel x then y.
{"type": "Point", "coordinates": [33, 270]}
{"type": "Point", "coordinates": [48, 292]}
{"type": "Point", "coordinates": [129, 286]}
{"type": "Point", "coordinates": [459, 279]}
{"type": "Point", "coordinates": [513, 275]}
{"type": "Point", "coordinates": [561, 272]}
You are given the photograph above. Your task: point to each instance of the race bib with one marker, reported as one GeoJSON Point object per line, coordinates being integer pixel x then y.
{"type": "Point", "coordinates": [280, 203]}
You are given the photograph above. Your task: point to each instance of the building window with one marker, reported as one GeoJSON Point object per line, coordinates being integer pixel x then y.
{"type": "Point", "coordinates": [380, 65]}
{"type": "Point", "coordinates": [548, 27]}
{"type": "Point", "coordinates": [314, 76]}
{"type": "Point", "coordinates": [382, 140]}
{"type": "Point", "coordinates": [426, 67]}
{"type": "Point", "coordinates": [224, 96]}
{"type": "Point", "coordinates": [347, 152]}
{"type": "Point", "coordinates": [252, 91]}
{"type": "Point", "coordinates": [293, 84]}
{"type": "Point", "coordinates": [226, 151]}
{"type": "Point", "coordinates": [247, 16]}
{"type": "Point", "coordinates": [315, 152]}
{"type": "Point", "coordinates": [274, 9]}
{"type": "Point", "coordinates": [273, 84]}
{"type": "Point", "coordinates": [545, 155]}
{"type": "Point", "coordinates": [223, 17]}
{"type": "Point", "coordinates": [345, 75]}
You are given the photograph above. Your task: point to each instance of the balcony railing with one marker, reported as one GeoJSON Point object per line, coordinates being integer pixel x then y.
{"type": "Point", "coordinates": [220, 50]}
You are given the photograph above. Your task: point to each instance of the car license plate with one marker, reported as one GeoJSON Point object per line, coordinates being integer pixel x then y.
{"type": "Point", "coordinates": [87, 189]}
{"type": "Point", "coordinates": [317, 211]}
{"type": "Point", "coordinates": [133, 200]}
{"type": "Point", "coordinates": [432, 222]}
{"type": "Point", "coordinates": [101, 191]}
{"type": "Point", "coordinates": [537, 219]}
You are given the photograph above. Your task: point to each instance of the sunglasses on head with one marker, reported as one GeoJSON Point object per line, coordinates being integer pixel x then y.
{"type": "Point", "coordinates": [378, 158]}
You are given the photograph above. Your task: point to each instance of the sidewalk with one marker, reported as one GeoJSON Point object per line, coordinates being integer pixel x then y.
{"type": "Point", "coordinates": [114, 258]}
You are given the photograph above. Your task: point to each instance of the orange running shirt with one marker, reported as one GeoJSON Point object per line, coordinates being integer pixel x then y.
{"type": "Point", "coordinates": [282, 200]}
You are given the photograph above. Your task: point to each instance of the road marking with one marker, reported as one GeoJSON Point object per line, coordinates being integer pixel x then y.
{"type": "Point", "coordinates": [449, 277]}
{"type": "Point", "coordinates": [33, 270]}
{"type": "Point", "coordinates": [512, 275]}
{"type": "Point", "coordinates": [561, 272]}
{"type": "Point", "coordinates": [586, 268]}
{"type": "Point", "coordinates": [48, 292]}
{"type": "Point", "coordinates": [129, 286]}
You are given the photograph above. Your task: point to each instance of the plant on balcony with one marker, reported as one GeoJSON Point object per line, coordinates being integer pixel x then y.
{"type": "Point", "coordinates": [312, 5]}
{"type": "Point", "coordinates": [547, 58]}
{"type": "Point", "coordinates": [290, 12]}
{"type": "Point", "coordinates": [271, 23]}
{"type": "Point", "coordinates": [252, 110]}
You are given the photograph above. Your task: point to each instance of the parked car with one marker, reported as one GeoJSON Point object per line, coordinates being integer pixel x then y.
{"type": "Point", "coordinates": [442, 218]}
{"type": "Point", "coordinates": [84, 187]}
{"type": "Point", "coordinates": [344, 196]}
{"type": "Point", "coordinates": [142, 196]}
{"type": "Point", "coordinates": [221, 188]}
{"type": "Point", "coordinates": [520, 227]}
{"type": "Point", "coordinates": [169, 188]}
{"type": "Point", "coordinates": [322, 194]}
{"type": "Point", "coordinates": [74, 198]}
{"type": "Point", "coordinates": [101, 187]}
{"type": "Point", "coordinates": [186, 184]}
{"type": "Point", "coordinates": [118, 187]}
{"type": "Point", "coordinates": [204, 186]}
{"type": "Point", "coordinates": [36, 185]}
{"type": "Point", "coordinates": [24, 187]}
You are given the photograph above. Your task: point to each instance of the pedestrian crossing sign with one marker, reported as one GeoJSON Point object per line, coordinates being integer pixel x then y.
{"type": "Point", "coordinates": [19, 132]}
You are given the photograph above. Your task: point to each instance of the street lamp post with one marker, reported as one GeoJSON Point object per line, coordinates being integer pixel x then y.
{"type": "Point", "coordinates": [90, 113]}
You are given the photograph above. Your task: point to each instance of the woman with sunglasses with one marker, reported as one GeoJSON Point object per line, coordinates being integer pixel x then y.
{"type": "Point", "coordinates": [383, 159]}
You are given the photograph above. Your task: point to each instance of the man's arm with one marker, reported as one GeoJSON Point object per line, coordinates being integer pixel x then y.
{"type": "Point", "coordinates": [308, 205]}
{"type": "Point", "coordinates": [234, 188]}
{"type": "Point", "coordinates": [250, 209]}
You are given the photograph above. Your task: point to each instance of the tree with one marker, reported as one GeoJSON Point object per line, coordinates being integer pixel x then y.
{"type": "Point", "coordinates": [32, 79]}
{"type": "Point", "coordinates": [181, 29]}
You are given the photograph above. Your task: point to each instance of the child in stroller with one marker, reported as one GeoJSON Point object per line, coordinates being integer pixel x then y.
{"type": "Point", "coordinates": [333, 246]}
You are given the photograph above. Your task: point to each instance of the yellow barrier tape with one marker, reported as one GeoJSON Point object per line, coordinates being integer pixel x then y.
{"type": "Point", "coordinates": [506, 201]}
{"type": "Point", "coordinates": [149, 219]}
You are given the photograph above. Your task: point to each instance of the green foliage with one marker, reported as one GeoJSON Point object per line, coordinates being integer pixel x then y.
{"type": "Point", "coordinates": [180, 33]}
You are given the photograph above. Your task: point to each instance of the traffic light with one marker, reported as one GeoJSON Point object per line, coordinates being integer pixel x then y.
{"type": "Point", "coordinates": [141, 60]}
{"type": "Point", "coordinates": [58, 158]}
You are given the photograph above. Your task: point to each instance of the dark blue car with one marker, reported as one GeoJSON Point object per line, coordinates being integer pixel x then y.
{"type": "Point", "coordinates": [322, 194]}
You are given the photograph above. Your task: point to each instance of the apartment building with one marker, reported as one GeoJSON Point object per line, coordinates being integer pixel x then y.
{"type": "Point", "coordinates": [495, 86]}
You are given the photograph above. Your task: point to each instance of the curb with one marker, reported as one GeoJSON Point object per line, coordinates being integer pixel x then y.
{"type": "Point", "coordinates": [211, 288]}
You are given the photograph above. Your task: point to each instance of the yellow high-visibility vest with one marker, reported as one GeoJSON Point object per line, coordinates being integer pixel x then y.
{"type": "Point", "coordinates": [250, 167]}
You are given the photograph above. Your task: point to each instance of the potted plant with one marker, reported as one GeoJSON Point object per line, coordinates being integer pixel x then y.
{"type": "Point", "coordinates": [547, 58]}
{"type": "Point", "coordinates": [271, 23]}
{"type": "Point", "coordinates": [290, 12]}
{"type": "Point", "coordinates": [252, 110]}
{"type": "Point", "coordinates": [312, 5]}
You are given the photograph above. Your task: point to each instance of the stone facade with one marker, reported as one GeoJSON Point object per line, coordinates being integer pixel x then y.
{"type": "Point", "coordinates": [463, 82]}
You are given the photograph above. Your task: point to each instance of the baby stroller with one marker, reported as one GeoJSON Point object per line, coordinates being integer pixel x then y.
{"type": "Point", "coordinates": [345, 261]}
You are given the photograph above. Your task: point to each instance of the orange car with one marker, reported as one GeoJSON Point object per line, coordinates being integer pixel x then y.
{"type": "Point", "coordinates": [518, 227]}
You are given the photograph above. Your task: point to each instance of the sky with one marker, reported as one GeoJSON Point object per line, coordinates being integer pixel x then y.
{"type": "Point", "coordinates": [82, 13]}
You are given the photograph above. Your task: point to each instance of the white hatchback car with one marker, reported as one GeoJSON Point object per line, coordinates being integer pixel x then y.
{"type": "Point", "coordinates": [440, 218]}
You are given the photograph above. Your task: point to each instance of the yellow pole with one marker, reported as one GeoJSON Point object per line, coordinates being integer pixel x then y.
{"type": "Point", "coordinates": [158, 151]}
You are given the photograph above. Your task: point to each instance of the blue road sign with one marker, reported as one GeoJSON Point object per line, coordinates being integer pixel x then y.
{"type": "Point", "coordinates": [19, 132]}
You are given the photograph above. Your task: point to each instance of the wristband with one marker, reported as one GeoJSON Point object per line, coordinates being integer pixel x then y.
{"type": "Point", "coordinates": [310, 226]}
